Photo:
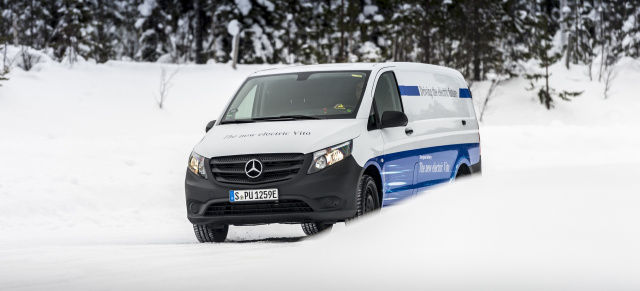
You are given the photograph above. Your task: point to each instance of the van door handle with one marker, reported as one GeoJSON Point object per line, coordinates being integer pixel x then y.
{"type": "Point", "coordinates": [408, 131]}
{"type": "Point", "coordinates": [464, 122]}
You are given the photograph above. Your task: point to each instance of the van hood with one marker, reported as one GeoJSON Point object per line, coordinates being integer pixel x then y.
{"type": "Point", "coordinates": [296, 136]}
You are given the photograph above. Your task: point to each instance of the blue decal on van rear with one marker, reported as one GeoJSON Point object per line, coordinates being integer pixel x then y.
{"type": "Point", "coordinates": [465, 93]}
{"type": "Point", "coordinates": [407, 172]}
{"type": "Point", "coordinates": [409, 90]}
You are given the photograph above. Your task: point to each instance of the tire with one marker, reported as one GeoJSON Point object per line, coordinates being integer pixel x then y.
{"type": "Point", "coordinates": [367, 199]}
{"type": "Point", "coordinates": [206, 234]}
{"type": "Point", "coordinates": [460, 174]}
{"type": "Point", "coordinates": [311, 228]}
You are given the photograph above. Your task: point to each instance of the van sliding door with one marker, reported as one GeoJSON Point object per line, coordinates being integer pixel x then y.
{"type": "Point", "coordinates": [398, 160]}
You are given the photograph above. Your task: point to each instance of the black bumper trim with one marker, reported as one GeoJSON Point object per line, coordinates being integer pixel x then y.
{"type": "Point", "coordinates": [477, 167]}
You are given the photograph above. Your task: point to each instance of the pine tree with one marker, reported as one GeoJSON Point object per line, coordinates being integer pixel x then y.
{"type": "Point", "coordinates": [633, 30]}
{"type": "Point", "coordinates": [580, 21]}
{"type": "Point", "coordinates": [544, 51]}
{"type": "Point", "coordinates": [154, 28]}
{"type": "Point", "coordinates": [70, 36]}
{"type": "Point", "coordinates": [127, 35]}
{"type": "Point", "coordinates": [103, 37]}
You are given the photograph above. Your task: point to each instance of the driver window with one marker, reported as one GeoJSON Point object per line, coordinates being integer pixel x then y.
{"type": "Point", "coordinates": [246, 107]}
{"type": "Point", "coordinates": [386, 96]}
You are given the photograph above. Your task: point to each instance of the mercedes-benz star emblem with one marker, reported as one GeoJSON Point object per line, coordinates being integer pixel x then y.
{"type": "Point", "coordinates": [253, 168]}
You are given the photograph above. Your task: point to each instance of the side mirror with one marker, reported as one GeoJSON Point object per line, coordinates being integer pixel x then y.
{"type": "Point", "coordinates": [210, 125]}
{"type": "Point", "coordinates": [393, 119]}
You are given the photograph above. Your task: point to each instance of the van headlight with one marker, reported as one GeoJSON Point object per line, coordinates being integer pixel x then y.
{"type": "Point", "coordinates": [327, 157]}
{"type": "Point", "coordinates": [196, 165]}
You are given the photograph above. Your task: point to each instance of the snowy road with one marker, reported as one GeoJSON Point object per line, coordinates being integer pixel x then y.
{"type": "Point", "coordinates": [165, 263]}
{"type": "Point", "coordinates": [91, 189]}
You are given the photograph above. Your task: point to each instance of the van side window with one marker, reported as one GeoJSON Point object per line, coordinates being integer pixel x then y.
{"type": "Point", "coordinates": [386, 96]}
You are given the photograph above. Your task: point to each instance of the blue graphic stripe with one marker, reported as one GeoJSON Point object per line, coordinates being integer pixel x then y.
{"type": "Point", "coordinates": [409, 90]}
{"type": "Point", "coordinates": [406, 173]}
{"type": "Point", "coordinates": [465, 93]}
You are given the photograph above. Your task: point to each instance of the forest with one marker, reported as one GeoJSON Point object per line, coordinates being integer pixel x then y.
{"type": "Point", "coordinates": [483, 39]}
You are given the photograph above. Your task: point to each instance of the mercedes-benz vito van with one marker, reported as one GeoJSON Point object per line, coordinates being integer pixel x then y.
{"type": "Point", "coordinates": [316, 145]}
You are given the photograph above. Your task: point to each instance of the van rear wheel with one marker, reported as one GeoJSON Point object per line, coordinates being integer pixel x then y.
{"type": "Point", "coordinates": [311, 228]}
{"type": "Point", "coordinates": [206, 234]}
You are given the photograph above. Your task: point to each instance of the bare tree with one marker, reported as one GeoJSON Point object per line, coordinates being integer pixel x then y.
{"type": "Point", "coordinates": [28, 59]}
{"type": "Point", "coordinates": [5, 68]}
{"type": "Point", "coordinates": [166, 78]}
{"type": "Point", "coordinates": [493, 86]}
{"type": "Point", "coordinates": [610, 73]}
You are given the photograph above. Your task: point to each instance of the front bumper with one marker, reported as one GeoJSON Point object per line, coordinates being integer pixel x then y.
{"type": "Point", "coordinates": [330, 193]}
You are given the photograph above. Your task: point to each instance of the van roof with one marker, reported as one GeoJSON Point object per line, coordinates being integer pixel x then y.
{"type": "Point", "coordinates": [357, 67]}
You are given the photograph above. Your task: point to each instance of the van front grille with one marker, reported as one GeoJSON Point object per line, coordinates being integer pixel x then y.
{"type": "Point", "coordinates": [275, 167]}
{"type": "Point", "coordinates": [283, 206]}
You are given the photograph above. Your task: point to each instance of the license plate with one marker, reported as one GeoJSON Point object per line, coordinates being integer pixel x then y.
{"type": "Point", "coordinates": [253, 195]}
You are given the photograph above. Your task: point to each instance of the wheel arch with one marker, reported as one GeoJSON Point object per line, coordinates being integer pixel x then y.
{"type": "Point", "coordinates": [463, 166]}
{"type": "Point", "coordinates": [373, 170]}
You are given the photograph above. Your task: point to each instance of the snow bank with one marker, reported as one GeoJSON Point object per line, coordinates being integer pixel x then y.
{"type": "Point", "coordinates": [511, 104]}
{"type": "Point", "coordinates": [87, 146]}
{"type": "Point", "coordinates": [566, 228]}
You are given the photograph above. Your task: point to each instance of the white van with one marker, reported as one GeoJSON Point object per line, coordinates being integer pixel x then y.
{"type": "Point", "coordinates": [322, 144]}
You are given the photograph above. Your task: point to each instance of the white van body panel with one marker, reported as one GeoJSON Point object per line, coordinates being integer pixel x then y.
{"type": "Point", "coordinates": [299, 136]}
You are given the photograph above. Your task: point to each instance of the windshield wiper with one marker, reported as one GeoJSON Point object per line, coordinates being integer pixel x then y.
{"type": "Point", "coordinates": [286, 117]}
{"type": "Point", "coordinates": [269, 118]}
{"type": "Point", "coordinates": [237, 121]}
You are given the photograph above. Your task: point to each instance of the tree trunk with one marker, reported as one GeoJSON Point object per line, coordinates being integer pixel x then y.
{"type": "Point", "coordinates": [563, 36]}
{"type": "Point", "coordinates": [16, 40]}
{"type": "Point", "coordinates": [602, 60]}
{"type": "Point", "coordinates": [576, 34]}
{"type": "Point", "coordinates": [213, 31]}
{"type": "Point", "coordinates": [31, 20]}
{"type": "Point", "coordinates": [476, 63]}
{"type": "Point", "coordinates": [569, 50]}
{"type": "Point", "coordinates": [546, 77]}
{"type": "Point", "coordinates": [427, 36]}
{"type": "Point", "coordinates": [340, 58]}
{"type": "Point", "coordinates": [199, 32]}
{"type": "Point", "coordinates": [236, 44]}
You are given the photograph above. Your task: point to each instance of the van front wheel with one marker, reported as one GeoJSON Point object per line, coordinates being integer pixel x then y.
{"type": "Point", "coordinates": [311, 228]}
{"type": "Point", "coordinates": [206, 234]}
{"type": "Point", "coordinates": [367, 199]}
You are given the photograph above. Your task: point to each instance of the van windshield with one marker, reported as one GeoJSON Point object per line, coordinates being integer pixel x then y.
{"type": "Point", "coordinates": [307, 95]}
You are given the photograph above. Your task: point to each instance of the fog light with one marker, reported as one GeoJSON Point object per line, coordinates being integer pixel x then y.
{"type": "Point", "coordinates": [194, 207]}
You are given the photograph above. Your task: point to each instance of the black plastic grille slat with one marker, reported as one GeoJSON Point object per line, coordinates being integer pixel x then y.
{"type": "Point", "coordinates": [284, 206]}
{"type": "Point", "coordinates": [276, 167]}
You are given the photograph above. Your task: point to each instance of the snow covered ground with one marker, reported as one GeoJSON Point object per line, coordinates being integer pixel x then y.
{"type": "Point", "coordinates": [92, 173]}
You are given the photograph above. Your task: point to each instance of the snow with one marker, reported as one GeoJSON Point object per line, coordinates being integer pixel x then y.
{"type": "Point", "coordinates": [370, 10]}
{"type": "Point", "coordinates": [370, 52]}
{"type": "Point", "coordinates": [244, 6]}
{"type": "Point", "coordinates": [234, 27]}
{"type": "Point", "coordinates": [147, 7]}
{"type": "Point", "coordinates": [92, 182]}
